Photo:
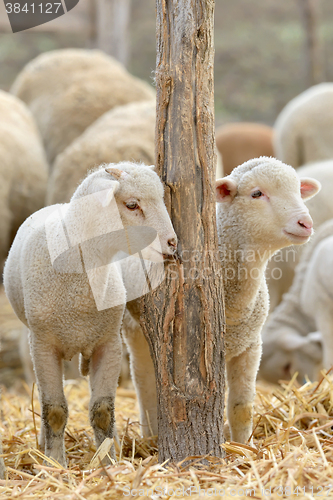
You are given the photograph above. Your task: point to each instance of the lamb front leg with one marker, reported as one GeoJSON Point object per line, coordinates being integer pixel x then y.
{"type": "Point", "coordinates": [104, 371]}
{"type": "Point", "coordinates": [47, 363]}
{"type": "Point", "coordinates": [241, 376]}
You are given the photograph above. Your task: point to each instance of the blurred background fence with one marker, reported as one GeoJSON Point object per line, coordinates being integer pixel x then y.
{"type": "Point", "coordinates": [266, 52]}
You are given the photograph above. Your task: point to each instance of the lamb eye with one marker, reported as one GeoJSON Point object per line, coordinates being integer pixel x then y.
{"type": "Point", "coordinates": [256, 194]}
{"type": "Point", "coordinates": [132, 205]}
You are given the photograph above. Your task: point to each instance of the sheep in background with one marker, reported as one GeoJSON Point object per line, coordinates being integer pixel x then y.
{"type": "Point", "coordinates": [260, 209]}
{"type": "Point", "coordinates": [67, 90]}
{"type": "Point", "coordinates": [280, 269]}
{"type": "Point", "coordinates": [69, 308]}
{"type": "Point", "coordinates": [240, 142]}
{"type": "Point", "coordinates": [304, 128]}
{"type": "Point", "coordinates": [23, 169]}
{"type": "Point", "coordinates": [126, 133]}
{"type": "Point", "coordinates": [299, 333]}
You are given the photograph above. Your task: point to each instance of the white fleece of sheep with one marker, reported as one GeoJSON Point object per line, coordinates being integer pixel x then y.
{"type": "Point", "coordinates": [67, 90]}
{"type": "Point", "coordinates": [125, 133]}
{"type": "Point", "coordinates": [303, 129]}
{"type": "Point", "coordinates": [280, 269]}
{"type": "Point", "coordinates": [23, 169]}
{"type": "Point", "coordinates": [285, 335]}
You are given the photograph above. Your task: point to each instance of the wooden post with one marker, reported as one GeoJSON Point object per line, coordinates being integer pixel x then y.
{"type": "Point", "coordinates": [183, 319]}
{"type": "Point", "coordinates": [313, 61]}
{"type": "Point", "coordinates": [112, 27]}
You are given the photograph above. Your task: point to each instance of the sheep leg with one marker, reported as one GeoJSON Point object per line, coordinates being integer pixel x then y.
{"type": "Point", "coordinates": [104, 370]}
{"type": "Point", "coordinates": [241, 376]}
{"type": "Point", "coordinates": [143, 375]}
{"type": "Point", "coordinates": [47, 362]}
{"type": "Point", "coordinates": [324, 324]}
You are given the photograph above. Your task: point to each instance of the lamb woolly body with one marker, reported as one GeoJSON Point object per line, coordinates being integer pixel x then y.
{"type": "Point", "coordinates": [304, 128]}
{"type": "Point", "coordinates": [299, 332]}
{"type": "Point", "coordinates": [126, 133]}
{"type": "Point", "coordinates": [240, 142]}
{"type": "Point", "coordinates": [259, 210]}
{"type": "Point", "coordinates": [23, 169]}
{"type": "Point", "coordinates": [69, 311]}
{"type": "Point", "coordinates": [67, 90]}
{"type": "Point", "coordinates": [280, 269]}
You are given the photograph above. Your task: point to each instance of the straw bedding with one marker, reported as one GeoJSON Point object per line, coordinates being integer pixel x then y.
{"type": "Point", "coordinates": [292, 454]}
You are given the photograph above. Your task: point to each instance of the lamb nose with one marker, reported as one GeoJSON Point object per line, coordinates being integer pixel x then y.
{"type": "Point", "coordinates": [172, 243]}
{"type": "Point", "coordinates": [306, 225]}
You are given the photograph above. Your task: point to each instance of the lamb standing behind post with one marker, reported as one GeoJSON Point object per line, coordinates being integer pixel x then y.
{"type": "Point", "coordinates": [295, 335]}
{"type": "Point", "coordinates": [304, 128]}
{"type": "Point", "coordinates": [67, 90]}
{"type": "Point", "coordinates": [68, 309]}
{"type": "Point", "coordinates": [260, 210]}
{"type": "Point", "coordinates": [23, 169]}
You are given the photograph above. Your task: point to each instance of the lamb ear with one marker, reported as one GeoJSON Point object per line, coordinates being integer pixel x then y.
{"type": "Point", "coordinates": [309, 187]}
{"type": "Point", "coordinates": [225, 189]}
{"type": "Point", "coordinates": [116, 173]}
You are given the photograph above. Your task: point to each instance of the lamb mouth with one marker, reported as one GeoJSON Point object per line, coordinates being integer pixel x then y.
{"type": "Point", "coordinates": [164, 255]}
{"type": "Point", "coordinates": [296, 237]}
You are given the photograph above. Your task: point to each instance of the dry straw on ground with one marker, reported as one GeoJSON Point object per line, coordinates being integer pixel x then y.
{"type": "Point", "coordinates": [291, 457]}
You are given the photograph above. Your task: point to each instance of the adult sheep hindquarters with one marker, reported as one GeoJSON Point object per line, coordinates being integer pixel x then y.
{"type": "Point", "coordinates": [23, 169]}
{"type": "Point", "coordinates": [260, 210]}
{"type": "Point", "coordinates": [69, 308]}
{"type": "Point", "coordinates": [304, 128]}
{"type": "Point", "coordinates": [67, 90]}
{"type": "Point", "coordinates": [126, 133]}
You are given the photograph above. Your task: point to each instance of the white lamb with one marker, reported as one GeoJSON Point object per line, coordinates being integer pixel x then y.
{"type": "Point", "coordinates": [304, 128]}
{"type": "Point", "coordinates": [298, 334]}
{"type": "Point", "coordinates": [66, 282]}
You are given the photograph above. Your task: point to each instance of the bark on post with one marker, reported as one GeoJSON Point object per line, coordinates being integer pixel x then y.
{"type": "Point", "coordinates": [183, 319]}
